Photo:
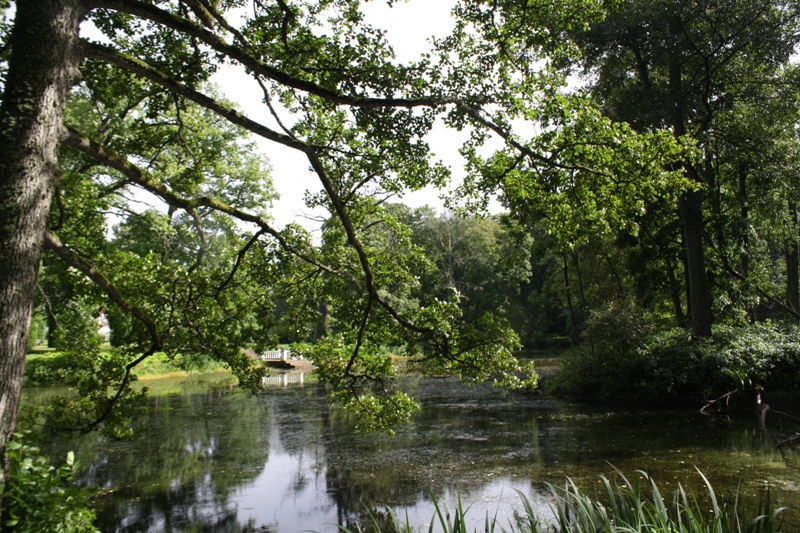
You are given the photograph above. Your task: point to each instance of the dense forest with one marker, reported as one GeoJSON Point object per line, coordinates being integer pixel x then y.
{"type": "Point", "coordinates": [647, 167]}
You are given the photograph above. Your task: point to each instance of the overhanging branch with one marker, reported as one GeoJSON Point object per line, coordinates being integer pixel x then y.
{"type": "Point", "coordinates": [153, 13]}
{"type": "Point", "coordinates": [132, 64]}
{"type": "Point", "coordinates": [52, 242]}
{"type": "Point", "coordinates": [77, 140]}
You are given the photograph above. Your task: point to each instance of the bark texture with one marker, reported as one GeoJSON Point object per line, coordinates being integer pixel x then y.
{"type": "Point", "coordinates": [42, 69]}
{"type": "Point", "coordinates": [793, 262]}
{"type": "Point", "coordinates": [690, 206]}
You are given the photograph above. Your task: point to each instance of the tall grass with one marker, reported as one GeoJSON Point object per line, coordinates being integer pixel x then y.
{"type": "Point", "coordinates": [629, 507]}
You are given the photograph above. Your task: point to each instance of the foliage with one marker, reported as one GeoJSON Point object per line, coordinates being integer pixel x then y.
{"type": "Point", "coordinates": [77, 333]}
{"type": "Point", "coordinates": [483, 260]}
{"type": "Point", "coordinates": [592, 162]}
{"type": "Point", "coordinates": [201, 270]}
{"type": "Point", "coordinates": [91, 371]}
{"type": "Point", "coordinates": [360, 370]}
{"type": "Point", "coordinates": [51, 369]}
{"type": "Point", "coordinates": [626, 507]}
{"type": "Point", "coordinates": [670, 366]}
{"type": "Point", "coordinates": [155, 270]}
{"type": "Point", "coordinates": [608, 365]}
{"type": "Point", "coordinates": [161, 363]}
{"type": "Point", "coordinates": [40, 497]}
{"type": "Point", "coordinates": [594, 174]}
{"type": "Point", "coordinates": [38, 329]}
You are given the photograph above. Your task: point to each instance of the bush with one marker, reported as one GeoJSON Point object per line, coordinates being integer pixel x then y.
{"type": "Point", "coordinates": [54, 369]}
{"type": "Point", "coordinates": [65, 368]}
{"type": "Point", "coordinates": [671, 367]}
{"type": "Point", "coordinates": [609, 364]}
{"type": "Point", "coordinates": [40, 497]}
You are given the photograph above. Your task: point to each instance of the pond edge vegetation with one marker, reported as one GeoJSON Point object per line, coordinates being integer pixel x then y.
{"type": "Point", "coordinates": [626, 507]}
{"type": "Point", "coordinates": [626, 360]}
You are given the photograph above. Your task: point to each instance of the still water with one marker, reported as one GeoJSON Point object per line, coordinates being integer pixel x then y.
{"type": "Point", "coordinates": [210, 458]}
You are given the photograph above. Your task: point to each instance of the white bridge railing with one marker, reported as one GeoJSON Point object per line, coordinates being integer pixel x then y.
{"type": "Point", "coordinates": [280, 354]}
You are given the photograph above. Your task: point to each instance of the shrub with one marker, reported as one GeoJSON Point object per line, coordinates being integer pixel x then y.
{"type": "Point", "coordinates": [53, 369]}
{"type": "Point", "coordinates": [40, 497]}
{"type": "Point", "coordinates": [609, 364]}
{"type": "Point", "coordinates": [670, 366]}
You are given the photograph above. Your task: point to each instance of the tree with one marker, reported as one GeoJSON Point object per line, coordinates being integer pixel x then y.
{"type": "Point", "coordinates": [696, 62]}
{"type": "Point", "coordinates": [179, 268]}
{"type": "Point", "coordinates": [658, 67]}
{"type": "Point", "coordinates": [358, 118]}
{"type": "Point", "coordinates": [484, 260]}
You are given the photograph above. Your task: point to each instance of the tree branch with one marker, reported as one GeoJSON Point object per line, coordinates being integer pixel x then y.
{"type": "Point", "coordinates": [239, 259]}
{"type": "Point", "coordinates": [52, 242]}
{"type": "Point", "coordinates": [131, 64]}
{"type": "Point", "coordinates": [153, 13]}
{"type": "Point", "coordinates": [77, 140]}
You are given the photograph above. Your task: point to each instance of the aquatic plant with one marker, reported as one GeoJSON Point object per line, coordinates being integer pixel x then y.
{"type": "Point", "coordinates": [628, 508]}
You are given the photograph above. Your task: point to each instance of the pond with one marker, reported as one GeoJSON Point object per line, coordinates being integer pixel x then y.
{"type": "Point", "coordinates": [208, 457]}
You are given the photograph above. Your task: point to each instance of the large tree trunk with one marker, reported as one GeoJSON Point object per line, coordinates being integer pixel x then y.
{"type": "Point", "coordinates": [690, 206]}
{"type": "Point", "coordinates": [42, 69]}
{"type": "Point", "coordinates": [793, 261]}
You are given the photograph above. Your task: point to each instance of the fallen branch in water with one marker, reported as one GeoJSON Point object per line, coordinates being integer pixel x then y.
{"type": "Point", "coordinates": [789, 440]}
{"type": "Point", "coordinates": [723, 397]}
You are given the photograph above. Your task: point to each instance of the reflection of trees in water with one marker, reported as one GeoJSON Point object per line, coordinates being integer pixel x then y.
{"type": "Point", "coordinates": [177, 474]}
{"type": "Point", "coordinates": [175, 509]}
{"type": "Point", "coordinates": [299, 431]}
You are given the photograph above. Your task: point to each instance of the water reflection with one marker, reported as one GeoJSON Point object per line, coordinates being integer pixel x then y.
{"type": "Point", "coordinates": [221, 460]}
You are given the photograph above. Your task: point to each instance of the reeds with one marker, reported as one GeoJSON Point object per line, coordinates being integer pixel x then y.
{"type": "Point", "coordinates": [630, 507]}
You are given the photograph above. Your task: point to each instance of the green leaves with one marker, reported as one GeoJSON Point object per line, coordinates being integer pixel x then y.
{"type": "Point", "coordinates": [361, 386]}
{"type": "Point", "coordinates": [200, 271]}
{"type": "Point", "coordinates": [40, 497]}
{"type": "Point", "coordinates": [584, 175]}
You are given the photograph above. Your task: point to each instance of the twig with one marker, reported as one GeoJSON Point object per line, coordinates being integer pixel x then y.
{"type": "Point", "coordinates": [789, 440]}
{"type": "Point", "coordinates": [724, 396]}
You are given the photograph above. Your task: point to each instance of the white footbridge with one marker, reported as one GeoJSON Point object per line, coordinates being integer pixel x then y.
{"type": "Point", "coordinates": [281, 354]}
{"type": "Point", "coordinates": [282, 379]}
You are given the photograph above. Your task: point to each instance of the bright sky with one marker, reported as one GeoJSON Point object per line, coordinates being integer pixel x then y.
{"type": "Point", "coordinates": [409, 26]}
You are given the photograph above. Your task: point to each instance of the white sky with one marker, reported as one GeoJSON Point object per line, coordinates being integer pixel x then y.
{"type": "Point", "coordinates": [409, 26]}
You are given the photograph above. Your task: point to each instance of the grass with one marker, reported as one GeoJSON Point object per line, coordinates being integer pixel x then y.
{"type": "Point", "coordinates": [159, 364]}
{"type": "Point", "coordinates": [54, 368]}
{"type": "Point", "coordinates": [627, 507]}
